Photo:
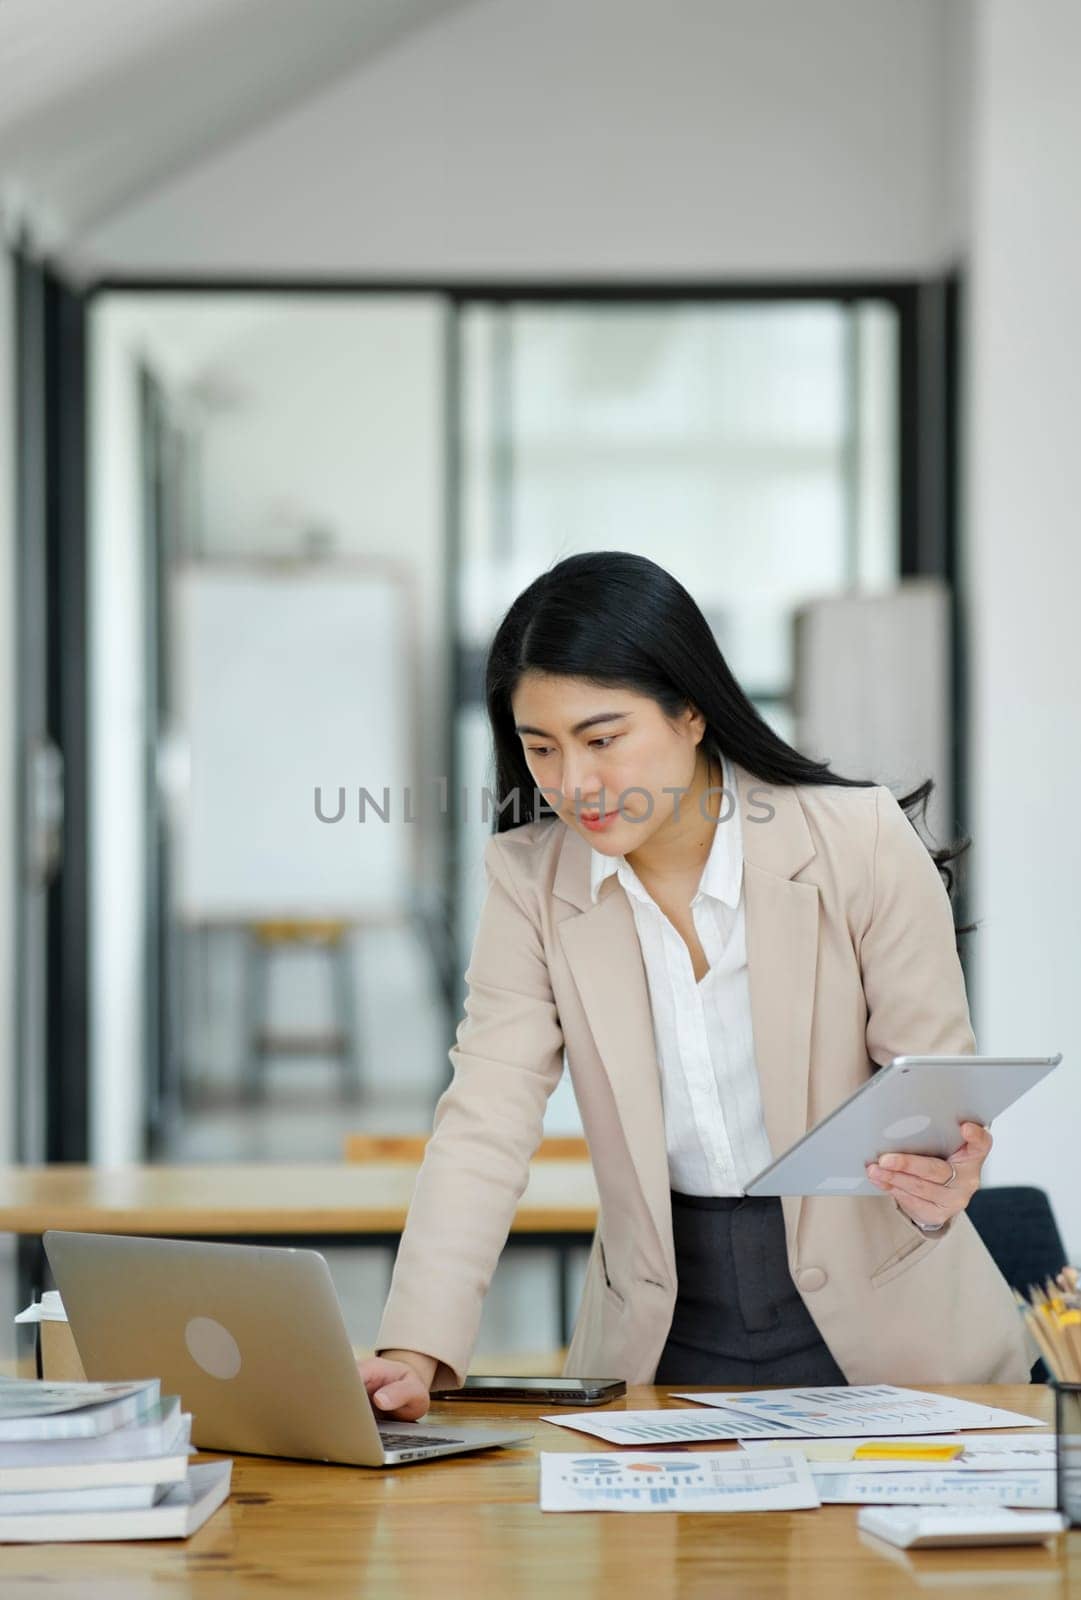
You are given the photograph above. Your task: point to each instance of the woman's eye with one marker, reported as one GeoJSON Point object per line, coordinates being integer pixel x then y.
{"type": "Point", "coordinates": [602, 743]}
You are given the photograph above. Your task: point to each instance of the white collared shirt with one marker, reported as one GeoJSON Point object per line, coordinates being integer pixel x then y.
{"type": "Point", "coordinates": [714, 1128]}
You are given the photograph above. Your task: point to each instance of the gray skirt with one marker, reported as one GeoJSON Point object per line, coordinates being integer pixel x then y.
{"type": "Point", "coordinates": [739, 1318]}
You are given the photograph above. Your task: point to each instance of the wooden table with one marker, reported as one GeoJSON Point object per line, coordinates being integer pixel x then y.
{"type": "Point", "coordinates": [324, 1204]}
{"type": "Point", "coordinates": [471, 1525]}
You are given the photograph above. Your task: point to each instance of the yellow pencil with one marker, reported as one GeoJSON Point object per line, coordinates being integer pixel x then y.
{"type": "Point", "coordinates": [1069, 1324]}
{"type": "Point", "coordinates": [1042, 1339]}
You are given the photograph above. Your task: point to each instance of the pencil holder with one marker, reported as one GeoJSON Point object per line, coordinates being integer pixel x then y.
{"type": "Point", "coordinates": [1068, 1450]}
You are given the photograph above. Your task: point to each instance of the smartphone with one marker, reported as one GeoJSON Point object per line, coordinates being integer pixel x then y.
{"type": "Point", "coordinates": [547, 1391]}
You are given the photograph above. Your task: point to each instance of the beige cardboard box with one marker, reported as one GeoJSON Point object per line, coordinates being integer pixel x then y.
{"type": "Point", "coordinates": [59, 1357]}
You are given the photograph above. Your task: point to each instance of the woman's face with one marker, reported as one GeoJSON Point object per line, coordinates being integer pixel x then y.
{"type": "Point", "coordinates": [623, 761]}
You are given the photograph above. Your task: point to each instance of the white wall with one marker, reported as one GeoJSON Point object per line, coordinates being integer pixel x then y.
{"type": "Point", "coordinates": [1024, 489]}
{"type": "Point", "coordinates": [956, 89]}
{"type": "Point", "coordinates": [624, 137]}
{"type": "Point", "coordinates": [8, 755]}
{"type": "Point", "coordinates": [117, 823]}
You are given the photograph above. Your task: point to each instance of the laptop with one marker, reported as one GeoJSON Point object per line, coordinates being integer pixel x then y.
{"type": "Point", "coordinates": [251, 1338]}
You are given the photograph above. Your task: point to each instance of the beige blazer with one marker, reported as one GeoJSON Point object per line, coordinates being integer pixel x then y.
{"type": "Point", "coordinates": [851, 961]}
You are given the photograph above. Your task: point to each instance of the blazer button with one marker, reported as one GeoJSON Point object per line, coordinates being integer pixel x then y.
{"type": "Point", "coordinates": [810, 1278]}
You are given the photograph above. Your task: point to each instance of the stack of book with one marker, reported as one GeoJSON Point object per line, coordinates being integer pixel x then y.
{"type": "Point", "coordinates": [100, 1461]}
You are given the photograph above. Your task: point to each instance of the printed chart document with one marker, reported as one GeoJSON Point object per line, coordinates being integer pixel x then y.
{"type": "Point", "coordinates": [1000, 1452]}
{"type": "Point", "coordinates": [665, 1427]}
{"type": "Point", "coordinates": [628, 1481]}
{"type": "Point", "coordinates": [937, 1487]}
{"type": "Point", "coordinates": [877, 1408]}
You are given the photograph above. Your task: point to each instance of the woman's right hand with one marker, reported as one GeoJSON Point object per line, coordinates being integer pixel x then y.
{"type": "Point", "coordinates": [398, 1383]}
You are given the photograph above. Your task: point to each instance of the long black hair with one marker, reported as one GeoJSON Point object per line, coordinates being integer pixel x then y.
{"type": "Point", "coordinates": [622, 621]}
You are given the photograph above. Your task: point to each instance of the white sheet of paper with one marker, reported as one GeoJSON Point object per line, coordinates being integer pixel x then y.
{"type": "Point", "coordinates": [867, 1409]}
{"type": "Point", "coordinates": [937, 1486]}
{"type": "Point", "coordinates": [1015, 1444]}
{"type": "Point", "coordinates": [663, 1427]}
{"type": "Point", "coordinates": [1002, 1452]}
{"type": "Point", "coordinates": [50, 1308]}
{"type": "Point", "coordinates": [981, 1464]}
{"type": "Point", "coordinates": [628, 1480]}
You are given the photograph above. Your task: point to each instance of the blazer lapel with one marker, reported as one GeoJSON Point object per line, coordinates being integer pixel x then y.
{"type": "Point", "coordinates": [605, 959]}
{"type": "Point", "coordinates": [782, 957]}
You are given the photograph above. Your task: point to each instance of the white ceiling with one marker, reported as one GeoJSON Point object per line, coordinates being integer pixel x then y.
{"type": "Point", "coordinates": [102, 100]}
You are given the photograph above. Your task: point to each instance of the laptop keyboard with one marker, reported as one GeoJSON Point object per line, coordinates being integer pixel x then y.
{"type": "Point", "coordinates": [408, 1441]}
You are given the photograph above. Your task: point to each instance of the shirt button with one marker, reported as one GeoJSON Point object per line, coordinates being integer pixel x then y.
{"type": "Point", "coordinates": [810, 1278]}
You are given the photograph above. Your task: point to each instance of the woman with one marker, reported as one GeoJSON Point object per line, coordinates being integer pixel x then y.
{"type": "Point", "coordinates": [722, 968]}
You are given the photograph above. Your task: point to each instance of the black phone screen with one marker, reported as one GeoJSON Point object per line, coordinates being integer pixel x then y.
{"type": "Point", "coordinates": [554, 1391]}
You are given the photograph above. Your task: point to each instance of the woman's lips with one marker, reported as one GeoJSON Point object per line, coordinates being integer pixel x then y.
{"type": "Point", "coordinates": [596, 824]}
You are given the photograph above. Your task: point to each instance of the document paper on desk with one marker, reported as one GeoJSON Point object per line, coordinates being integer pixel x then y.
{"type": "Point", "coordinates": [935, 1486]}
{"type": "Point", "coordinates": [874, 1408]}
{"type": "Point", "coordinates": [627, 1480]}
{"type": "Point", "coordinates": [998, 1452]}
{"type": "Point", "coordinates": [665, 1427]}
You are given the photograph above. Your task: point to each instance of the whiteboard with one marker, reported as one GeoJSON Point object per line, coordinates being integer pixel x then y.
{"type": "Point", "coordinates": [291, 680]}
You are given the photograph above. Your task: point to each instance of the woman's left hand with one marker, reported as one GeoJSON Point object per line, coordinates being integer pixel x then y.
{"type": "Point", "coordinates": [930, 1190]}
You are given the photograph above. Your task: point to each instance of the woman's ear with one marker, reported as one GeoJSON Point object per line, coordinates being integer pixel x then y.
{"type": "Point", "coordinates": [696, 723]}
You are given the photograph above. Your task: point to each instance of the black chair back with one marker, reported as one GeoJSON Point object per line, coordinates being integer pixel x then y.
{"type": "Point", "coordinates": [1018, 1227]}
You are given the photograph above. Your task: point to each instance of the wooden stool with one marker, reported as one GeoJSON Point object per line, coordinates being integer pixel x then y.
{"type": "Point", "coordinates": [331, 938]}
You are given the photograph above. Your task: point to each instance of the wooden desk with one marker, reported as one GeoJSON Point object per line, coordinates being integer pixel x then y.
{"type": "Point", "coordinates": [318, 1204]}
{"type": "Point", "coordinates": [471, 1525]}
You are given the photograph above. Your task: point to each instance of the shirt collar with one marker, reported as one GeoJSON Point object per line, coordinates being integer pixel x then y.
{"type": "Point", "coordinates": [721, 876]}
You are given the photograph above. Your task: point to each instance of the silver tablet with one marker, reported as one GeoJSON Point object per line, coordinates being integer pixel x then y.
{"type": "Point", "coordinates": [915, 1105]}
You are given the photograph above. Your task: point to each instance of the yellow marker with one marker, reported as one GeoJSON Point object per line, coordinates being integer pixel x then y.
{"type": "Point", "coordinates": [907, 1452]}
